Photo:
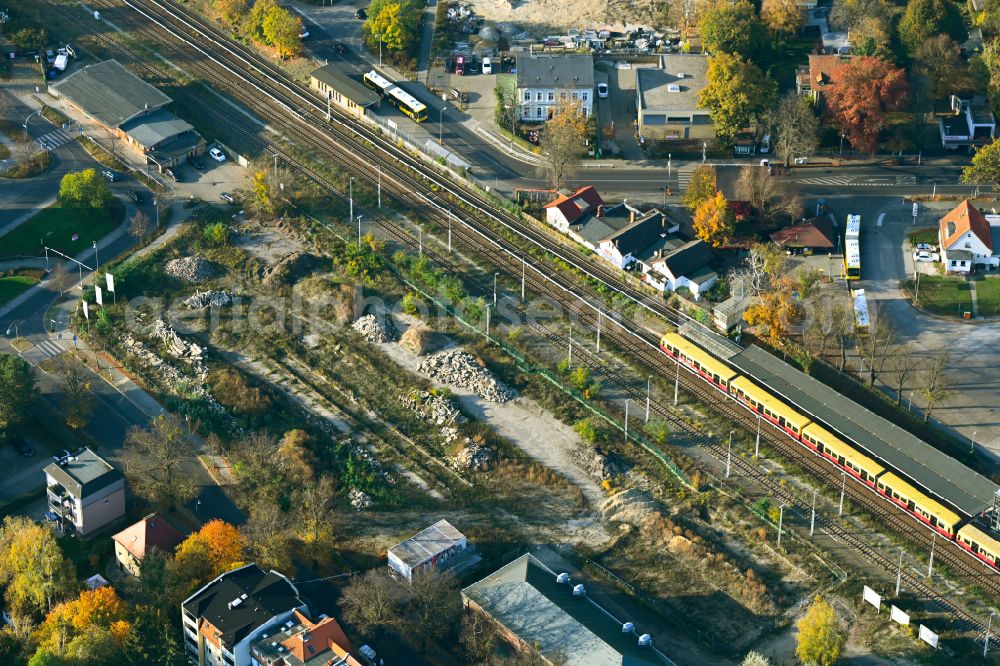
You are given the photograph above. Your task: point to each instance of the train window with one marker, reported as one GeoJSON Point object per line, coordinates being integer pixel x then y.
{"type": "Point", "coordinates": [795, 430]}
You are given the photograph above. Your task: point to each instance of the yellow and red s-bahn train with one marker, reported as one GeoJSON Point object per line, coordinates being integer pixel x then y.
{"type": "Point", "coordinates": [862, 467]}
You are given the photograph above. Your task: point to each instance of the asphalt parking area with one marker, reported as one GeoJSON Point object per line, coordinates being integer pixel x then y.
{"type": "Point", "coordinates": [208, 184]}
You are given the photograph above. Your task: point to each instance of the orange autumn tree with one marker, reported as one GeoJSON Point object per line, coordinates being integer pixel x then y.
{"type": "Point", "coordinates": [74, 627]}
{"type": "Point", "coordinates": [714, 221]}
{"type": "Point", "coordinates": [772, 313]}
{"type": "Point", "coordinates": [214, 549]}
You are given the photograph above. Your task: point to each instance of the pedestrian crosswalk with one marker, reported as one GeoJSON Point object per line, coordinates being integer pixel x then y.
{"type": "Point", "coordinates": [54, 139]}
{"type": "Point", "coordinates": [861, 181]}
{"type": "Point", "coordinates": [48, 348]}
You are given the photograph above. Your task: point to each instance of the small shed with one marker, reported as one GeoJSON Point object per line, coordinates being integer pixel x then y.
{"type": "Point", "coordinates": [428, 549]}
{"type": "Point", "coordinates": [342, 90]}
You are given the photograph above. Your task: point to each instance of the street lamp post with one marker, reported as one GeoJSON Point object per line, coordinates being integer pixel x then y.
{"type": "Point", "coordinates": [627, 400]}
{"type": "Point", "coordinates": [843, 488]}
{"type": "Point", "coordinates": [781, 517]}
{"type": "Point", "coordinates": [359, 232]}
{"type": "Point", "coordinates": [495, 288]}
{"type": "Point", "coordinates": [25, 125]}
{"type": "Point", "coordinates": [899, 572]}
{"type": "Point", "coordinates": [986, 641]}
{"type": "Point", "coordinates": [930, 563]}
{"type": "Point", "coordinates": [972, 445]}
{"type": "Point", "coordinates": [756, 450]}
{"type": "Point", "coordinates": [649, 386]}
{"type": "Point", "coordinates": [909, 403]}
{"type": "Point", "coordinates": [812, 519]}
{"type": "Point", "coordinates": [350, 197]}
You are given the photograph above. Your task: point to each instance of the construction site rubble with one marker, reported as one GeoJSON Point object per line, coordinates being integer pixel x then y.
{"type": "Point", "coordinates": [460, 368]}
{"type": "Point", "coordinates": [435, 408]}
{"type": "Point", "coordinates": [599, 465]}
{"type": "Point", "coordinates": [190, 269]}
{"type": "Point", "coordinates": [359, 499]}
{"type": "Point", "coordinates": [208, 299]}
{"type": "Point", "coordinates": [472, 456]}
{"type": "Point", "coordinates": [376, 329]}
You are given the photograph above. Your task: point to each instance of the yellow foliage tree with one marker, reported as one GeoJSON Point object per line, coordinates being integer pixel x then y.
{"type": "Point", "coordinates": [819, 639]}
{"type": "Point", "coordinates": [100, 610]}
{"type": "Point", "coordinates": [782, 17]}
{"type": "Point", "coordinates": [214, 549]}
{"type": "Point", "coordinates": [771, 314]}
{"type": "Point", "coordinates": [714, 222]}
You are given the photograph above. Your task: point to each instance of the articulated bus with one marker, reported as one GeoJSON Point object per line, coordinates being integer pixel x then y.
{"type": "Point", "coordinates": [407, 103]}
{"type": "Point", "coordinates": [852, 248]}
{"type": "Point", "coordinates": [377, 82]}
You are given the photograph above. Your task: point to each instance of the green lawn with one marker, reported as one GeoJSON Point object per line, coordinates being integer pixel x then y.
{"type": "Point", "coordinates": [54, 227]}
{"type": "Point", "coordinates": [12, 287]}
{"type": "Point", "coordinates": [988, 296]}
{"type": "Point", "coordinates": [925, 235]}
{"type": "Point", "coordinates": [949, 296]}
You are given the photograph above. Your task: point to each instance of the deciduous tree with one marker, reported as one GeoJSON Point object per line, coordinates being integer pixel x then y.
{"type": "Point", "coordinates": [771, 313]}
{"type": "Point", "coordinates": [155, 461]}
{"type": "Point", "coordinates": [984, 170]}
{"type": "Point", "coordinates": [733, 28]}
{"type": "Point", "coordinates": [563, 140]}
{"type": "Point", "coordinates": [94, 611]}
{"type": "Point", "coordinates": [394, 22]}
{"type": "Point", "coordinates": [763, 192]}
{"type": "Point", "coordinates": [700, 188]}
{"type": "Point", "coordinates": [84, 189]}
{"type": "Point", "coordinates": [736, 91]}
{"type": "Point", "coordinates": [77, 400]}
{"type": "Point", "coordinates": [938, 60]}
{"type": "Point", "coordinates": [923, 19]}
{"type": "Point", "coordinates": [782, 17]}
{"type": "Point", "coordinates": [231, 11]}
{"type": "Point", "coordinates": [797, 127]}
{"type": "Point", "coordinates": [901, 363]}
{"type": "Point", "coordinates": [32, 567]}
{"type": "Point", "coordinates": [267, 535]}
{"type": "Point", "coordinates": [313, 504]}
{"type": "Point", "coordinates": [281, 30]}
{"type": "Point", "coordinates": [820, 639]}
{"type": "Point", "coordinates": [373, 602]}
{"type": "Point", "coordinates": [260, 197]}
{"type": "Point", "coordinates": [714, 222]}
{"type": "Point", "coordinates": [140, 225]}
{"type": "Point", "coordinates": [867, 89]}
{"type": "Point", "coordinates": [17, 390]}
{"type": "Point", "coordinates": [214, 549]}
{"type": "Point", "coordinates": [875, 346]}
{"type": "Point", "coordinates": [755, 659]}
{"type": "Point", "coordinates": [935, 385]}
{"type": "Point", "coordinates": [297, 456]}
{"type": "Point", "coordinates": [435, 603]}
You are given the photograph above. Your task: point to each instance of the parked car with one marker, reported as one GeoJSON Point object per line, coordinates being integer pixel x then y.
{"type": "Point", "coordinates": [110, 175]}
{"type": "Point", "coordinates": [304, 34]}
{"type": "Point", "coordinates": [227, 197]}
{"type": "Point", "coordinates": [801, 160]}
{"type": "Point", "coordinates": [765, 144]}
{"type": "Point", "coordinates": [926, 246]}
{"type": "Point", "coordinates": [217, 155]}
{"type": "Point", "coordinates": [361, 15]}
{"type": "Point", "coordinates": [487, 66]}
{"type": "Point", "coordinates": [136, 196]}
{"type": "Point", "coordinates": [340, 48]}
{"type": "Point", "coordinates": [472, 66]}
{"type": "Point", "coordinates": [174, 173]}
{"type": "Point", "coordinates": [21, 447]}
{"type": "Point", "coordinates": [602, 90]}
{"type": "Point", "coordinates": [924, 255]}
{"type": "Point", "coordinates": [62, 455]}
{"type": "Point", "coordinates": [765, 163]}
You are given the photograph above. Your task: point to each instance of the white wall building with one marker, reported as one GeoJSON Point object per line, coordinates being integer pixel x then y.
{"type": "Point", "coordinates": [545, 81]}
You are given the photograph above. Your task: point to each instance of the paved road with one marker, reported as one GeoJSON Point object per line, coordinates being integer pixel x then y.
{"type": "Point", "coordinates": [974, 407]}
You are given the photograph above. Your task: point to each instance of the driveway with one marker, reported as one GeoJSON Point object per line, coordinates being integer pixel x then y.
{"type": "Point", "coordinates": [974, 406]}
{"type": "Point", "coordinates": [619, 108]}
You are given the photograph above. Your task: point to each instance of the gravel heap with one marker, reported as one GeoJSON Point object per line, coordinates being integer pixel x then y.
{"type": "Point", "coordinates": [376, 329]}
{"type": "Point", "coordinates": [437, 409]}
{"type": "Point", "coordinates": [460, 368]}
{"type": "Point", "coordinates": [206, 299]}
{"type": "Point", "coordinates": [472, 456]}
{"type": "Point", "coordinates": [359, 499]}
{"type": "Point", "coordinates": [190, 269]}
{"type": "Point", "coordinates": [417, 340]}
{"type": "Point", "coordinates": [178, 347]}
{"type": "Point", "coordinates": [599, 465]}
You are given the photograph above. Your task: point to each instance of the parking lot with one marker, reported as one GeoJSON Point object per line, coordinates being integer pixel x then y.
{"type": "Point", "coordinates": [209, 183]}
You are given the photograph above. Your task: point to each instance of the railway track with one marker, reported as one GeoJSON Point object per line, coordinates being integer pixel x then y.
{"type": "Point", "coordinates": [358, 149]}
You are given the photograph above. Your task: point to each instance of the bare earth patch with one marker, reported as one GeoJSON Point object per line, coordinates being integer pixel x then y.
{"type": "Point", "coordinates": [543, 17]}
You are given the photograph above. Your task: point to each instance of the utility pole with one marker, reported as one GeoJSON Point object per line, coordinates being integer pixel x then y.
{"type": "Point", "coordinates": [899, 573]}
{"type": "Point", "coordinates": [649, 386]}
{"type": "Point", "coordinates": [449, 238]}
{"type": "Point", "coordinates": [756, 450]}
{"type": "Point", "coordinates": [729, 454]}
{"type": "Point", "coordinates": [972, 445]}
{"type": "Point", "coordinates": [522, 279]}
{"type": "Point", "coordinates": [930, 563]}
{"type": "Point", "coordinates": [495, 288]}
{"type": "Point", "coordinates": [843, 487]}
{"type": "Point", "coordinates": [677, 380]}
{"type": "Point", "coordinates": [812, 519]}
{"type": "Point", "coordinates": [359, 232]}
{"type": "Point", "coordinates": [569, 362]}
{"type": "Point", "coordinates": [97, 262]}
{"type": "Point", "coordinates": [599, 338]}
{"type": "Point", "coordinates": [781, 516]}
{"type": "Point", "coordinates": [379, 185]}
{"type": "Point", "coordinates": [276, 167]}
{"type": "Point", "coordinates": [986, 641]}
{"type": "Point", "coordinates": [350, 195]}
{"type": "Point", "coordinates": [420, 240]}
{"type": "Point", "coordinates": [329, 114]}
{"type": "Point", "coordinates": [487, 320]}
{"type": "Point", "coordinates": [627, 400]}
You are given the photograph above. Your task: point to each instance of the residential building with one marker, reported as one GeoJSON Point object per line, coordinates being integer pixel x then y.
{"type": "Point", "coordinates": [131, 109]}
{"type": "Point", "coordinates": [351, 95]}
{"type": "Point", "coordinates": [667, 99]}
{"type": "Point", "coordinates": [686, 266]}
{"type": "Point", "coordinates": [539, 610]}
{"type": "Point", "coordinates": [815, 235]}
{"type": "Point", "coordinates": [965, 121]}
{"type": "Point", "coordinates": [645, 233]}
{"type": "Point", "coordinates": [85, 492]}
{"type": "Point", "coordinates": [150, 534]}
{"type": "Point", "coordinates": [573, 209]}
{"type": "Point", "coordinates": [968, 238]}
{"type": "Point", "coordinates": [225, 617]}
{"type": "Point", "coordinates": [545, 81]}
{"type": "Point", "coordinates": [431, 548]}
{"type": "Point", "coordinates": [820, 76]}
{"type": "Point", "coordinates": [302, 642]}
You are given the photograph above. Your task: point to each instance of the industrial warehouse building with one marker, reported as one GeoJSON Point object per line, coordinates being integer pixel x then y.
{"type": "Point", "coordinates": [132, 110]}
{"type": "Point", "coordinates": [352, 96]}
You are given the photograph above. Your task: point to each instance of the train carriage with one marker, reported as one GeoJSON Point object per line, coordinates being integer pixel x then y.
{"type": "Point", "coordinates": [843, 454]}
{"type": "Point", "coordinates": [765, 404]}
{"type": "Point", "coordinates": [981, 544]}
{"type": "Point", "coordinates": [926, 509]}
{"type": "Point", "coordinates": [697, 359]}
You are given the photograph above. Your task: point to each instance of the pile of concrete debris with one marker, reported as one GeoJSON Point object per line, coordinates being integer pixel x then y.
{"type": "Point", "coordinates": [599, 465]}
{"type": "Point", "coordinates": [178, 347]}
{"type": "Point", "coordinates": [376, 329]}
{"type": "Point", "coordinates": [190, 269]}
{"type": "Point", "coordinates": [437, 409]}
{"type": "Point", "coordinates": [472, 456]}
{"type": "Point", "coordinates": [460, 368]}
{"type": "Point", "coordinates": [208, 299]}
{"type": "Point", "coordinates": [359, 499]}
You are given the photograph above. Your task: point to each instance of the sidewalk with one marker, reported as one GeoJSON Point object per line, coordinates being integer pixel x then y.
{"type": "Point", "coordinates": [426, 42]}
